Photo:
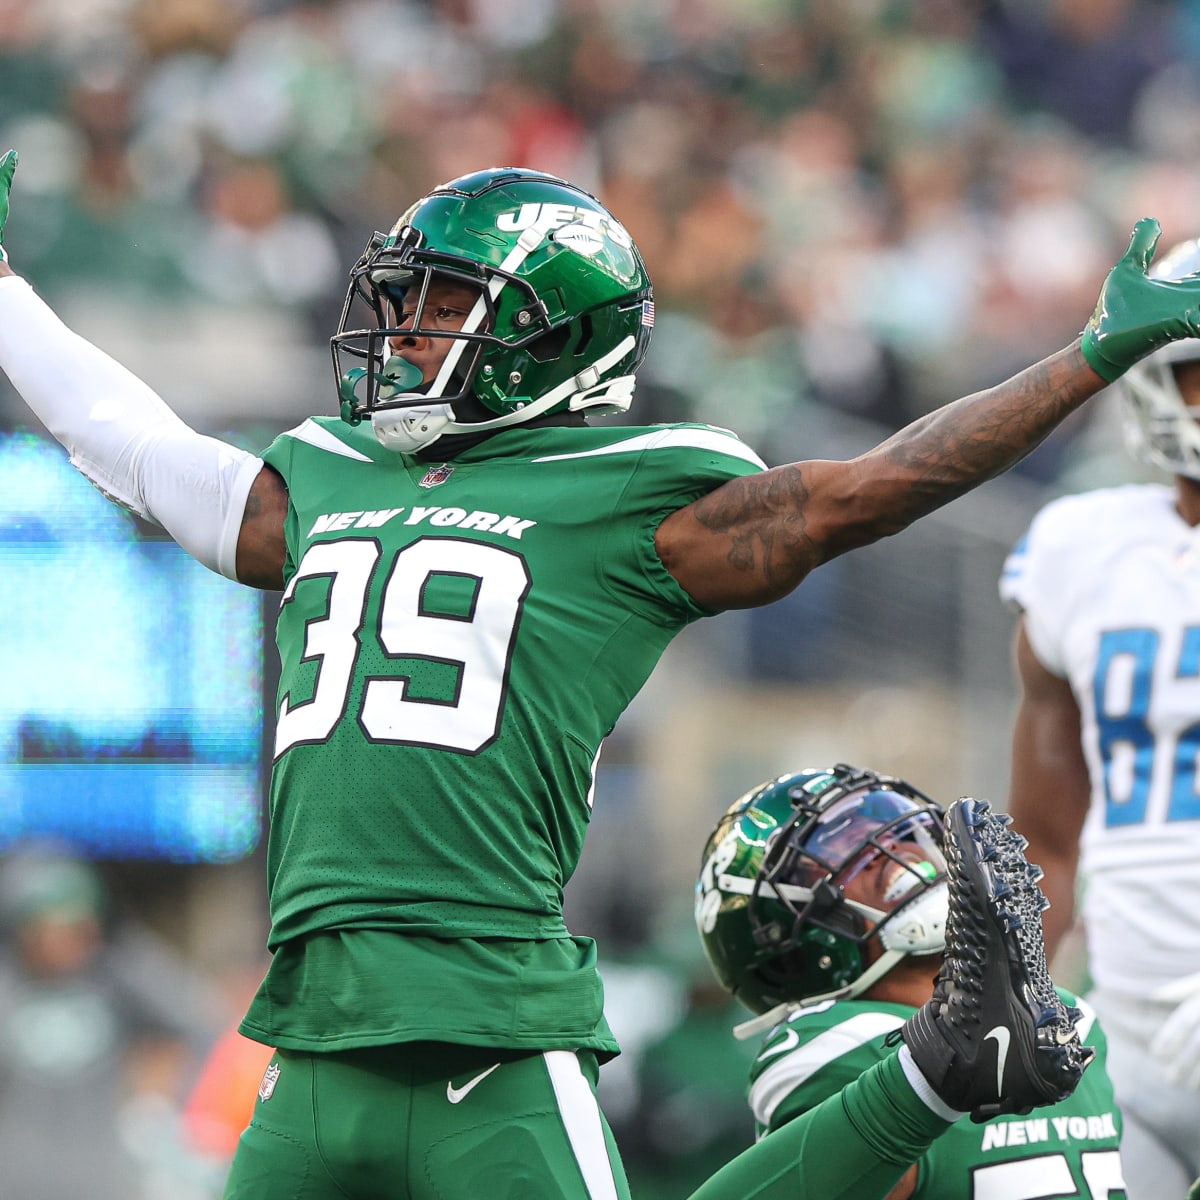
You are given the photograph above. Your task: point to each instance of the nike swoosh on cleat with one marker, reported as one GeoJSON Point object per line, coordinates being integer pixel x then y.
{"type": "Point", "coordinates": [790, 1042]}
{"type": "Point", "coordinates": [1003, 1037]}
{"type": "Point", "coordinates": [457, 1095]}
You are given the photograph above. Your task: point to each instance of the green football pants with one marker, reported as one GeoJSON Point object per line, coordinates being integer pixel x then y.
{"type": "Point", "coordinates": [428, 1121]}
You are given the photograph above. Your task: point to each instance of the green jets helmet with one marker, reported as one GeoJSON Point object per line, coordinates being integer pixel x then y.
{"type": "Point", "coordinates": [562, 320]}
{"type": "Point", "coordinates": [780, 898]}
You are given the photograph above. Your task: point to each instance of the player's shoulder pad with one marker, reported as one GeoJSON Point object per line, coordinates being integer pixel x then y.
{"type": "Point", "coordinates": [1069, 532]}
{"type": "Point", "coordinates": [819, 1049]}
{"type": "Point", "coordinates": [1069, 520]}
{"type": "Point", "coordinates": [658, 439]}
{"type": "Point", "coordinates": [332, 435]}
{"type": "Point", "coordinates": [831, 1029]}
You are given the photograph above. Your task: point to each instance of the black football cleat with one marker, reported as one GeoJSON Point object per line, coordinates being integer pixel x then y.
{"type": "Point", "coordinates": [995, 1037]}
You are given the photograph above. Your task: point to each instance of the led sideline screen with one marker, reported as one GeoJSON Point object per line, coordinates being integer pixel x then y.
{"type": "Point", "coordinates": [131, 705]}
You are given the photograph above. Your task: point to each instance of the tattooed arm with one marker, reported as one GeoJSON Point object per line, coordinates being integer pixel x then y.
{"type": "Point", "coordinates": [755, 538]}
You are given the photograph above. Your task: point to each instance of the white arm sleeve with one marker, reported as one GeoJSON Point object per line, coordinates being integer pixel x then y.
{"type": "Point", "coordinates": [122, 435]}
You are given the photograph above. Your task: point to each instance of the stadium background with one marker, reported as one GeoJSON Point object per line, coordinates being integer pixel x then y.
{"type": "Point", "coordinates": [853, 211]}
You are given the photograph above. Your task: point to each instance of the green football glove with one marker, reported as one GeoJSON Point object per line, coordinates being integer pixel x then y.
{"type": "Point", "coordinates": [1135, 314]}
{"type": "Point", "coordinates": [8, 164]}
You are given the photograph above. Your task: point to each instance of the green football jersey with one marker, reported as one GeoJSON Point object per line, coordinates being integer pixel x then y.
{"type": "Point", "coordinates": [456, 641]}
{"type": "Point", "coordinates": [1070, 1149]}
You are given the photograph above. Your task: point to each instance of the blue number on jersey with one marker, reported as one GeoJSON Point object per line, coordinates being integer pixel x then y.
{"type": "Point", "coordinates": [1130, 727]}
{"type": "Point", "coordinates": [1185, 804]}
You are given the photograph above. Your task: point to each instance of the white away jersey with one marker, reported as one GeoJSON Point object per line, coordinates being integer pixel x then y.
{"type": "Point", "coordinates": [1109, 583]}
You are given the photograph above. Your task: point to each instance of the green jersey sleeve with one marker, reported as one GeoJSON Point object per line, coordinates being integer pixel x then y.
{"type": "Point", "coordinates": [1073, 1145]}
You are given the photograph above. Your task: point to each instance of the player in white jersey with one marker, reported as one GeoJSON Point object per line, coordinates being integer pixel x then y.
{"type": "Point", "coordinates": [1106, 752]}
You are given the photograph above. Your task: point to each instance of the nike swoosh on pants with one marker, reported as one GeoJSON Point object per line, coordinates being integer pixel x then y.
{"type": "Point", "coordinates": [457, 1095]}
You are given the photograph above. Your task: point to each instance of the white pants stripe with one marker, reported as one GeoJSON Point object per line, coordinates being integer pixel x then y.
{"type": "Point", "coordinates": [581, 1119]}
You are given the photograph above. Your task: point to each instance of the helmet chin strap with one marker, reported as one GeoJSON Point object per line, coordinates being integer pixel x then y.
{"type": "Point", "coordinates": [407, 430]}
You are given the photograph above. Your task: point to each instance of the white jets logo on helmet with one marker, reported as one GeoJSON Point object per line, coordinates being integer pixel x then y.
{"type": "Point", "coordinates": [555, 216]}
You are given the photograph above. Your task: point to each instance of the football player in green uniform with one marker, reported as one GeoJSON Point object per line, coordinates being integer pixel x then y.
{"type": "Point", "coordinates": [822, 903]}
{"type": "Point", "coordinates": [476, 581]}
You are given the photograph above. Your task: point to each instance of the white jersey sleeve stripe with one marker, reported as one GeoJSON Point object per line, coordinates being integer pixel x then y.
{"type": "Point", "coordinates": [317, 435]}
{"type": "Point", "coordinates": [778, 1081]}
{"type": "Point", "coordinates": [698, 439]}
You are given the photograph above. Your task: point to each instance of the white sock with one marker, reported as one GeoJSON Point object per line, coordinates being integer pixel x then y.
{"type": "Point", "coordinates": [921, 1086]}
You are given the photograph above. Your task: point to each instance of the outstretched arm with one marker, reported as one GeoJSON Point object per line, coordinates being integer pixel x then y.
{"type": "Point", "coordinates": [752, 540]}
{"type": "Point", "coordinates": [871, 1156]}
{"type": "Point", "coordinates": [219, 502]}
{"type": "Point", "coordinates": [755, 538]}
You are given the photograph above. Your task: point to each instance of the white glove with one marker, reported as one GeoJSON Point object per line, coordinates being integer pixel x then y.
{"type": "Point", "coordinates": [1176, 1045]}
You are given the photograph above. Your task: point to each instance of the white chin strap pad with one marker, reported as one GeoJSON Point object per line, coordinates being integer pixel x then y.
{"type": "Point", "coordinates": [407, 430]}
{"type": "Point", "coordinates": [920, 926]}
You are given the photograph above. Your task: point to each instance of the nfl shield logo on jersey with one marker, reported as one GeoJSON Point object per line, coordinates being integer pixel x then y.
{"type": "Point", "coordinates": [270, 1078]}
{"type": "Point", "coordinates": [436, 475]}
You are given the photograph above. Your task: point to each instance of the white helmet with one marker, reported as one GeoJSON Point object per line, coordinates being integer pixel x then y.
{"type": "Point", "coordinates": [1160, 428]}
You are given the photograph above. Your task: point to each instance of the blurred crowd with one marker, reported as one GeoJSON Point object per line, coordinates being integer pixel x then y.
{"type": "Point", "coordinates": [850, 208]}
{"type": "Point", "coordinates": [104, 1031]}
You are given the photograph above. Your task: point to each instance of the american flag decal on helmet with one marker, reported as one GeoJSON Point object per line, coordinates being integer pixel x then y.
{"type": "Point", "coordinates": [647, 312]}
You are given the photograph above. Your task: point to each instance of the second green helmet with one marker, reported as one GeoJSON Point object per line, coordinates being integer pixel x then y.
{"type": "Point", "coordinates": [771, 903]}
